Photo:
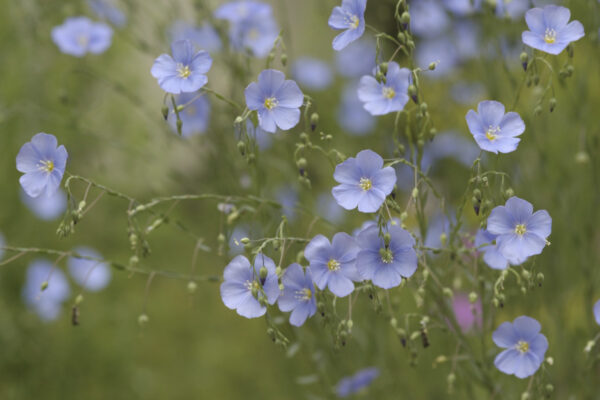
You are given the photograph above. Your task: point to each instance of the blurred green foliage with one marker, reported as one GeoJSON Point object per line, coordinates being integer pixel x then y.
{"type": "Point", "coordinates": [106, 110]}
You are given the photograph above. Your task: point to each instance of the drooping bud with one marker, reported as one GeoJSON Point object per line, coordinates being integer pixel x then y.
{"type": "Point", "coordinates": [143, 319]}
{"type": "Point", "coordinates": [524, 60]}
{"type": "Point", "coordinates": [432, 66]}
{"type": "Point", "coordinates": [179, 126]}
{"type": "Point", "coordinates": [44, 286]}
{"type": "Point", "coordinates": [405, 19]}
{"type": "Point", "coordinates": [314, 121]}
{"type": "Point", "coordinates": [472, 297]}
{"type": "Point", "coordinates": [262, 273]}
{"type": "Point", "coordinates": [191, 287]}
{"type": "Point", "coordinates": [165, 112]}
{"type": "Point", "coordinates": [412, 92]}
{"type": "Point", "coordinates": [241, 147]}
{"type": "Point", "coordinates": [552, 104]}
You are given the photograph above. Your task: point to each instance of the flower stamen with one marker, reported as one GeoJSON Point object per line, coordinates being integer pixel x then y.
{"type": "Point", "coordinates": [333, 265]}
{"type": "Point", "coordinates": [46, 166]}
{"type": "Point", "coordinates": [271, 103]}
{"type": "Point", "coordinates": [304, 294]}
{"type": "Point", "coordinates": [550, 36]}
{"type": "Point", "coordinates": [353, 21]}
{"type": "Point", "coordinates": [520, 229]}
{"type": "Point", "coordinates": [365, 184]}
{"type": "Point", "coordinates": [492, 133]}
{"type": "Point", "coordinates": [389, 93]}
{"type": "Point", "coordinates": [522, 346]}
{"type": "Point", "coordinates": [183, 71]}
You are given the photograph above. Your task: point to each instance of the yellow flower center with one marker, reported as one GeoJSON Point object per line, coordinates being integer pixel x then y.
{"type": "Point", "coordinates": [492, 133]}
{"type": "Point", "coordinates": [46, 166]}
{"type": "Point", "coordinates": [333, 265]}
{"type": "Point", "coordinates": [253, 34]}
{"type": "Point", "coordinates": [386, 255]}
{"type": "Point", "coordinates": [271, 103]}
{"type": "Point", "coordinates": [183, 71]}
{"type": "Point", "coordinates": [523, 346]}
{"type": "Point", "coordinates": [365, 184]}
{"type": "Point", "coordinates": [550, 36]}
{"type": "Point", "coordinates": [304, 294]}
{"type": "Point", "coordinates": [354, 22]}
{"type": "Point", "coordinates": [389, 93]}
{"type": "Point", "coordinates": [520, 229]}
{"type": "Point", "coordinates": [83, 40]}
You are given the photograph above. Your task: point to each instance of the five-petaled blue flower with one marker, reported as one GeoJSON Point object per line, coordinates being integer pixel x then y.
{"type": "Point", "coordinates": [520, 232]}
{"type": "Point", "coordinates": [91, 274]}
{"type": "Point", "coordinates": [364, 182]}
{"type": "Point", "coordinates": [46, 208]}
{"type": "Point", "coordinates": [245, 287]}
{"type": "Point", "coordinates": [386, 260]}
{"type": "Point", "coordinates": [550, 30]}
{"type": "Point", "coordinates": [493, 129]}
{"type": "Point", "coordinates": [298, 294]}
{"type": "Point", "coordinates": [105, 9]}
{"type": "Point", "coordinates": [43, 164]}
{"type": "Point", "coordinates": [357, 382]}
{"type": "Point", "coordinates": [276, 100]}
{"type": "Point", "coordinates": [391, 95]}
{"type": "Point", "coordinates": [350, 17]}
{"type": "Point", "coordinates": [80, 35]}
{"type": "Point", "coordinates": [491, 254]}
{"type": "Point", "coordinates": [525, 347]}
{"type": "Point", "coordinates": [597, 312]}
{"type": "Point", "coordinates": [184, 71]}
{"type": "Point", "coordinates": [333, 265]}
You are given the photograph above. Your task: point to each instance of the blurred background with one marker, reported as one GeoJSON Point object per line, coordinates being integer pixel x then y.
{"type": "Point", "coordinates": [106, 110]}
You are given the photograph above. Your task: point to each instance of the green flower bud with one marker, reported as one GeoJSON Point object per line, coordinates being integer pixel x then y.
{"type": "Point", "coordinates": [472, 297]}
{"type": "Point", "coordinates": [552, 104]}
{"type": "Point", "coordinates": [78, 299]}
{"type": "Point", "coordinates": [432, 66]}
{"type": "Point", "coordinates": [44, 286]}
{"type": "Point", "coordinates": [263, 272]}
{"type": "Point", "coordinates": [283, 59]}
{"type": "Point", "coordinates": [405, 18]}
{"type": "Point", "coordinates": [314, 121]}
{"type": "Point", "coordinates": [581, 157]}
{"type": "Point", "coordinates": [241, 147]}
{"type": "Point", "coordinates": [179, 126]}
{"type": "Point", "coordinates": [448, 292]}
{"type": "Point", "coordinates": [191, 287]}
{"type": "Point", "coordinates": [165, 112]}
{"type": "Point", "coordinates": [143, 319]}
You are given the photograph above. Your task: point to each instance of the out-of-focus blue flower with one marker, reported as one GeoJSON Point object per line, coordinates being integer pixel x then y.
{"type": "Point", "coordinates": [441, 51]}
{"type": "Point", "coordinates": [333, 265]}
{"type": "Point", "coordinates": [47, 303]}
{"type": "Point", "coordinates": [235, 246]}
{"type": "Point", "coordinates": [312, 73]}
{"type": "Point", "coordinates": [357, 59]}
{"type": "Point", "coordinates": [427, 18]}
{"type": "Point", "coordinates": [43, 163]}
{"type": "Point", "coordinates": [364, 183]}
{"type": "Point", "coordinates": [204, 37]}
{"type": "Point", "coordinates": [263, 139]}
{"type": "Point", "coordinates": [386, 260]}
{"type": "Point", "coordinates": [298, 294]}
{"type": "Point", "coordinates": [243, 285]}
{"type": "Point", "coordinates": [467, 92]}
{"type": "Point", "coordinates": [462, 7]}
{"type": "Point", "coordinates": [438, 225]}
{"type": "Point", "coordinates": [237, 11]}
{"type": "Point", "coordinates": [105, 9]}
{"type": "Point", "coordinates": [46, 208]}
{"type": "Point", "coordinates": [350, 17]}
{"type": "Point", "coordinates": [491, 254]}
{"type": "Point", "coordinates": [525, 347]}
{"type": "Point", "coordinates": [92, 275]}
{"type": "Point", "coordinates": [352, 116]}
{"type": "Point", "coordinates": [450, 145]}
{"type": "Point", "coordinates": [287, 196]}
{"type": "Point", "coordinates": [514, 9]}
{"type": "Point", "coordinates": [252, 26]}
{"type": "Point", "coordinates": [185, 71]}
{"type": "Point", "coordinates": [520, 232]}
{"type": "Point", "coordinates": [493, 129]}
{"type": "Point", "coordinates": [276, 100]}
{"type": "Point", "coordinates": [384, 97]}
{"type": "Point", "coordinates": [328, 208]}
{"type": "Point", "coordinates": [80, 35]}
{"type": "Point", "coordinates": [597, 312]}
{"type": "Point", "coordinates": [357, 382]}
{"type": "Point", "coordinates": [466, 40]}
{"type": "Point", "coordinates": [194, 117]}
{"type": "Point", "coordinates": [550, 30]}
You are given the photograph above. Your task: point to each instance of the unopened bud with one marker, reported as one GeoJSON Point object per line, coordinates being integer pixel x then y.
{"type": "Point", "coordinates": [581, 157]}
{"type": "Point", "coordinates": [447, 292]}
{"type": "Point", "coordinates": [143, 319]}
{"type": "Point", "coordinates": [552, 104]}
{"type": "Point", "coordinates": [412, 92]}
{"type": "Point", "coordinates": [241, 147]}
{"type": "Point", "coordinates": [262, 273]}
{"type": "Point", "coordinates": [432, 66]}
{"type": "Point", "coordinates": [179, 126]}
{"type": "Point", "coordinates": [524, 60]}
{"type": "Point", "coordinates": [415, 193]}
{"type": "Point", "coordinates": [165, 112]}
{"type": "Point", "coordinates": [78, 299]}
{"type": "Point", "coordinates": [44, 286]}
{"type": "Point", "coordinates": [405, 18]}
{"type": "Point", "coordinates": [314, 121]}
{"type": "Point", "coordinates": [283, 59]}
{"type": "Point", "coordinates": [191, 287]}
{"type": "Point", "coordinates": [472, 297]}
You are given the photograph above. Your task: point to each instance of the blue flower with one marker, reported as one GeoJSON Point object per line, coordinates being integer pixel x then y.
{"type": "Point", "coordinates": [352, 116]}
{"type": "Point", "coordinates": [333, 264]}
{"type": "Point", "coordinates": [184, 71]}
{"type": "Point", "coordinates": [92, 275]}
{"type": "Point", "coordinates": [298, 294]}
{"type": "Point", "coordinates": [328, 208]}
{"type": "Point", "coordinates": [252, 26]}
{"type": "Point", "coordinates": [312, 73]}
{"type": "Point", "coordinates": [386, 260]}
{"type": "Point", "coordinates": [493, 129]}
{"type": "Point", "coordinates": [520, 232]}
{"type": "Point", "coordinates": [194, 117]}
{"type": "Point", "coordinates": [427, 18]}
{"type": "Point", "coordinates": [513, 8]}
{"type": "Point", "coordinates": [385, 97]}
{"type": "Point", "coordinates": [235, 246]}
{"type": "Point", "coordinates": [441, 51]}
{"type": "Point", "coordinates": [525, 347]}
{"type": "Point", "coordinates": [491, 254]}
{"type": "Point", "coordinates": [550, 30]}
{"type": "Point", "coordinates": [364, 182]}
{"type": "Point", "coordinates": [462, 7]}
{"type": "Point", "coordinates": [597, 312]}
{"type": "Point", "coordinates": [105, 9]}
{"type": "Point", "coordinates": [80, 35]}
{"type": "Point", "coordinates": [287, 196]}
{"type": "Point", "coordinates": [47, 303]}
{"type": "Point", "coordinates": [351, 18]}
{"type": "Point", "coordinates": [353, 384]}
{"type": "Point", "coordinates": [43, 164]}
{"type": "Point", "coordinates": [262, 139]}
{"type": "Point", "coordinates": [357, 59]}
{"type": "Point", "coordinates": [243, 287]}
{"type": "Point", "coordinates": [204, 37]}
{"type": "Point", "coordinates": [46, 208]}
{"type": "Point", "coordinates": [276, 100]}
